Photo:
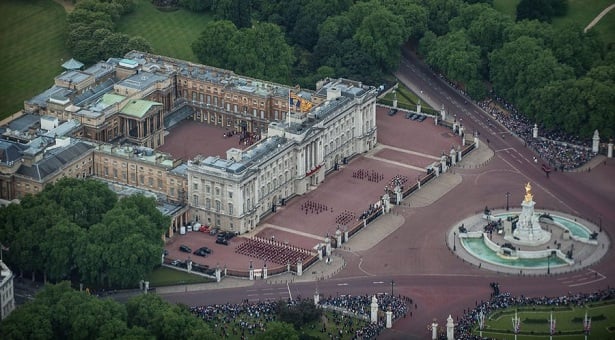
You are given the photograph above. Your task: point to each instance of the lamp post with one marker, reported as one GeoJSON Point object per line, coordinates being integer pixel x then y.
{"type": "Point", "coordinates": [507, 197]}
{"type": "Point", "coordinates": [392, 284]}
{"type": "Point", "coordinates": [454, 244]}
{"type": "Point", "coordinates": [600, 221]}
{"type": "Point", "coordinates": [549, 264]}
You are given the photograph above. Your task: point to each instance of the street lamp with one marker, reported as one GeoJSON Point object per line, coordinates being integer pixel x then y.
{"type": "Point", "coordinates": [549, 264]}
{"type": "Point", "coordinates": [392, 284]}
{"type": "Point", "coordinates": [454, 244]}
{"type": "Point", "coordinates": [507, 196]}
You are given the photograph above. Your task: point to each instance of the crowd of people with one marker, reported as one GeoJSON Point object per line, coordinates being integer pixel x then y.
{"type": "Point", "coordinates": [361, 304]}
{"type": "Point", "coordinates": [272, 251]}
{"type": "Point", "coordinates": [313, 207]}
{"type": "Point", "coordinates": [245, 138]}
{"type": "Point", "coordinates": [345, 217]}
{"type": "Point", "coordinates": [369, 175]}
{"type": "Point", "coordinates": [248, 319]}
{"type": "Point", "coordinates": [467, 323]}
{"type": "Point", "coordinates": [559, 150]}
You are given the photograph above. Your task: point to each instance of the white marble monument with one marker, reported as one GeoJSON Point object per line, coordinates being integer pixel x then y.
{"type": "Point", "coordinates": [528, 231]}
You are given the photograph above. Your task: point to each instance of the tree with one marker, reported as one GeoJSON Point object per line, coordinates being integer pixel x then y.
{"type": "Point", "coordinates": [213, 46]}
{"type": "Point", "coordinates": [58, 247]}
{"type": "Point", "coordinates": [113, 45]}
{"type": "Point", "coordinates": [29, 321]}
{"type": "Point", "coordinates": [138, 43]}
{"type": "Point", "coordinates": [440, 13]}
{"type": "Point", "coordinates": [278, 330]}
{"type": "Point", "coordinates": [380, 35]}
{"type": "Point", "coordinates": [197, 5]}
{"type": "Point", "coordinates": [413, 15]}
{"type": "Point", "coordinates": [261, 52]}
{"type": "Point", "coordinates": [84, 201]}
{"type": "Point", "coordinates": [543, 10]}
{"type": "Point", "coordinates": [523, 66]}
{"type": "Point", "coordinates": [312, 14]}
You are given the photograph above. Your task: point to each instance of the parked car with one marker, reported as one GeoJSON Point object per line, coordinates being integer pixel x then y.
{"type": "Point", "coordinates": [222, 241]}
{"type": "Point", "coordinates": [421, 118]}
{"type": "Point", "coordinates": [213, 231]}
{"type": "Point", "coordinates": [200, 252]}
{"type": "Point", "coordinates": [392, 112]}
{"type": "Point", "coordinates": [185, 248]}
{"type": "Point", "coordinates": [204, 228]}
{"type": "Point", "coordinates": [176, 262]}
{"type": "Point", "coordinates": [414, 116]}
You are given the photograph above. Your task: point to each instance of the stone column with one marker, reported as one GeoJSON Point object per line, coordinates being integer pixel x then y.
{"type": "Point", "coordinates": [459, 156]}
{"type": "Point", "coordinates": [450, 328]}
{"type": "Point", "coordinates": [535, 131]}
{"type": "Point", "coordinates": [299, 268]}
{"type": "Point", "coordinates": [418, 182]}
{"type": "Point", "coordinates": [394, 99]}
{"type": "Point", "coordinates": [218, 276]}
{"type": "Point", "coordinates": [265, 274]}
{"type": "Point", "coordinates": [442, 113]}
{"type": "Point", "coordinates": [162, 259]}
{"type": "Point", "coordinates": [189, 265]}
{"type": "Point", "coordinates": [435, 119]}
{"type": "Point", "coordinates": [476, 141]}
{"type": "Point", "coordinates": [316, 298]}
{"type": "Point", "coordinates": [319, 252]}
{"type": "Point", "coordinates": [374, 310]}
{"type": "Point", "coordinates": [389, 314]}
{"type": "Point", "coordinates": [338, 237]}
{"type": "Point", "coordinates": [418, 107]}
{"type": "Point", "coordinates": [345, 235]}
{"type": "Point", "coordinates": [146, 288]}
{"type": "Point", "coordinates": [609, 151]}
{"type": "Point", "coordinates": [595, 142]}
{"type": "Point", "coordinates": [461, 130]}
{"type": "Point", "coordinates": [251, 271]}
{"type": "Point", "coordinates": [328, 245]}
{"type": "Point", "coordinates": [453, 155]}
{"type": "Point", "coordinates": [434, 330]}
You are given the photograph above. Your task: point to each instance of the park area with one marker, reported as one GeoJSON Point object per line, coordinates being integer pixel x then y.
{"type": "Point", "coordinates": [534, 322]}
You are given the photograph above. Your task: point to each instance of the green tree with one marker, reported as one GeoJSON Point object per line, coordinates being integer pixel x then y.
{"type": "Point", "coordinates": [262, 52]}
{"type": "Point", "coordinates": [29, 321]}
{"type": "Point", "coordinates": [440, 13]}
{"type": "Point", "coordinates": [543, 10]}
{"type": "Point", "coordinates": [213, 46]}
{"type": "Point", "coordinates": [58, 247]}
{"type": "Point", "coordinates": [84, 201]}
{"type": "Point", "coordinates": [113, 45]}
{"type": "Point", "coordinates": [278, 330]}
{"type": "Point", "coordinates": [380, 35]}
{"type": "Point", "coordinates": [312, 14]}
{"type": "Point", "coordinates": [413, 15]}
{"type": "Point", "coordinates": [138, 43]}
{"type": "Point", "coordinates": [523, 66]}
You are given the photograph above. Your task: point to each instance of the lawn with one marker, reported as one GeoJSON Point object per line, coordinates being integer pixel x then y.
{"type": "Point", "coordinates": [32, 49]}
{"type": "Point", "coordinates": [163, 276]}
{"type": "Point", "coordinates": [580, 13]}
{"type": "Point", "coordinates": [406, 99]}
{"type": "Point", "coordinates": [171, 33]}
{"type": "Point", "coordinates": [568, 320]}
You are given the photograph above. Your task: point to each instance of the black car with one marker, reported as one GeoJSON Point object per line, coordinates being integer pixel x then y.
{"type": "Point", "coordinates": [200, 252]}
{"type": "Point", "coordinates": [392, 112]}
{"type": "Point", "coordinates": [185, 249]}
{"type": "Point", "coordinates": [421, 118]}
{"type": "Point", "coordinates": [222, 241]}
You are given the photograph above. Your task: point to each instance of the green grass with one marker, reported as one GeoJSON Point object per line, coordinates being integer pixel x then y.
{"type": "Point", "coordinates": [163, 276]}
{"type": "Point", "coordinates": [171, 33]}
{"type": "Point", "coordinates": [603, 317]}
{"type": "Point", "coordinates": [580, 13]}
{"type": "Point", "coordinates": [406, 99]}
{"type": "Point", "coordinates": [32, 50]}
{"type": "Point", "coordinates": [507, 7]}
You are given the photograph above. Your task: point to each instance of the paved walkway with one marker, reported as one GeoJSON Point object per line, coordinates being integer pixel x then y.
{"type": "Point", "coordinates": [598, 18]}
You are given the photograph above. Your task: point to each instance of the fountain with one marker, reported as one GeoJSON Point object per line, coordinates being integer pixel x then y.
{"type": "Point", "coordinates": [528, 231]}
{"type": "Point", "coordinates": [528, 240]}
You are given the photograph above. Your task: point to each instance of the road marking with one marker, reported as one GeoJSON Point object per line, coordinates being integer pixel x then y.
{"type": "Point", "coordinates": [342, 284]}
{"type": "Point", "coordinates": [378, 282]}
